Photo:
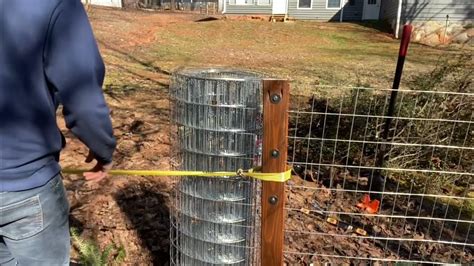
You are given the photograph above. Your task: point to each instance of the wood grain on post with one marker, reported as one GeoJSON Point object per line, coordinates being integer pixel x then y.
{"type": "Point", "coordinates": [276, 95]}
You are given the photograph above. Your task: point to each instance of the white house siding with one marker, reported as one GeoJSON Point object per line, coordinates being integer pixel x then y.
{"type": "Point", "coordinates": [437, 10]}
{"type": "Point", "coordinates": [412, 10]}
{"type": "Point", "coordinates": [254, 8]}
{"type": "Point", "coordinates": [389, 11]}
{"type": "Point", "coordinates": [320, 12]}
{"type": "Point", "coordinates": [354, 12]}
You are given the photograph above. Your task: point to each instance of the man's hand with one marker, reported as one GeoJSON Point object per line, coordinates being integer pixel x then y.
{"type": "Point", "coordinates": [99, 171]}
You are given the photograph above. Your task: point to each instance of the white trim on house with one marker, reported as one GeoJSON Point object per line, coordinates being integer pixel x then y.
{"type": "Point", "coordinates": [399, 16]}
{"type": "Point", "coordinates": [304, 8]}
{"type": "Point", "coordinates": [110, 3]}
{"type": "Point", "coordinates": [334, 8]}
{"type": "Point", "coordinates": [343, 3]}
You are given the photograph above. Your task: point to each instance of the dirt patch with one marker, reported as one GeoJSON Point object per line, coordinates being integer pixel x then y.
{"type": "Point", "coordinates": [308, 232]}
{"type": "Point", "coordinates": [332, 177]}
{"type": "Point", "coordinates": [131, 211]}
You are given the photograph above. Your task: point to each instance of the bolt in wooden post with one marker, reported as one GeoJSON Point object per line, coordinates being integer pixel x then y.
{"type": "Point", "coordinates": [276, 94]}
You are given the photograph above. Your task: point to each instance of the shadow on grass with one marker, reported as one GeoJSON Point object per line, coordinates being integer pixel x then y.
{"type": "Point", "coordinates": [379, 25]}
{"type": "Point", "coordinates": [134, 59]}
{"type": "Point", "coordinates": [207, 19]}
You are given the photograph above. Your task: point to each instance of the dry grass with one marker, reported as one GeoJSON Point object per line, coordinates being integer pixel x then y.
{"type": "Point", "coordinates": [308, 53]}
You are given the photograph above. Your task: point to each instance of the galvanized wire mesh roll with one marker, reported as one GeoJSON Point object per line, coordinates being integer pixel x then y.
{"type": "Point", "coordinates": [218, 116]}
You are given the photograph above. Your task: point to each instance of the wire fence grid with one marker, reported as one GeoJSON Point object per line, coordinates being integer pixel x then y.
{"type": "Point", "coordinates": [215, 220]}
{"type": "Point", "coordinates": [426, 186]}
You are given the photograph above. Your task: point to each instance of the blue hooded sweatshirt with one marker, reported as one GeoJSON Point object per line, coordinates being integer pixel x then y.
{"type": "Point", "coordinates": [48, 52]}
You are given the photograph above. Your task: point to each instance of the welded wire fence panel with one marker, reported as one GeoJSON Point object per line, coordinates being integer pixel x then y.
{"type": "Point", "coordinates": [215, 220]}
{"type": "Point", "coordinates": [426, 183]}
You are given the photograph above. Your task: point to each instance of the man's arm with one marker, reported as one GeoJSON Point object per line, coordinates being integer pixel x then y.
{"type": "Point", "coordinates": [74, 67]}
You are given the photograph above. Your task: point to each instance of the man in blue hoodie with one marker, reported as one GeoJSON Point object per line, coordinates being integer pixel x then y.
{"type": "Point", "coordinates": [47, 52]}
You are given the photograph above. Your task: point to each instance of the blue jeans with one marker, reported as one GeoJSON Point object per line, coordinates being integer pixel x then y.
{"type": "Point", "coordinates": [34, 226]}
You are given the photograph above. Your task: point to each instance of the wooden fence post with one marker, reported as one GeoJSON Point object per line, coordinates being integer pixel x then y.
{"type": "Point", "coordinates": [276, 94]}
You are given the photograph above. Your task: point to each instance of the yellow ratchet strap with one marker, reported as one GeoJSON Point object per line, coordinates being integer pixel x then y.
{"type": "Point", "coordinates": [253, 173]}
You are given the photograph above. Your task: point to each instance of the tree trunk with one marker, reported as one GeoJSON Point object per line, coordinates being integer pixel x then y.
{"type": "Point", "coordinates": [172, 5]}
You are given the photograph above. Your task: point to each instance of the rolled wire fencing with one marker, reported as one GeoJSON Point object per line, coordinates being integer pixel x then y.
{"type": "Point", "coordinates": [215, 220]}
{"type": "Point", "coordinates": [427, 183]}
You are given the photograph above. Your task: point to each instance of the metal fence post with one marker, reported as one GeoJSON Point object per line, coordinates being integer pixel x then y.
{"type": "Point", "coordinates": [275, 147]}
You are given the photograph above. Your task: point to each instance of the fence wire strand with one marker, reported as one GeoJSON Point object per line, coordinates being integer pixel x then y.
{"type": "Point", "coordinates": [427, 179]}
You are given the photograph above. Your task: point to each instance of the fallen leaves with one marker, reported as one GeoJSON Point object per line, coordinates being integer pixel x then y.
{"type": "Point", "coordinates": [370, 206]}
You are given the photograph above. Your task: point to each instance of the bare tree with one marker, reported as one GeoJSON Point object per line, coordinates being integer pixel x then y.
{"type": "Point", "coordinates": [172, 5]}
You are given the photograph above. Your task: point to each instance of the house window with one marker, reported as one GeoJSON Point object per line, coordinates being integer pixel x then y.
{"type": "Point", "coordinates": [372, 2]}
{"type": "Point", "coordinates": [304, 3]}
{"type": "Point", "coordinates": [334, 4]}
{"type": "Point", "coordinates": [352, 2]}
{"type": "Point", "coordinates": [263, 2]}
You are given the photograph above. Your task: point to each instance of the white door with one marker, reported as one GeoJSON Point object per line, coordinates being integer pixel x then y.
{"type": "Point", "coordinates": [220, 5]}
{"type": "Point", "coordinates": [371, 9]}
{"type": "Point", "coordinates": [279, 7]}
